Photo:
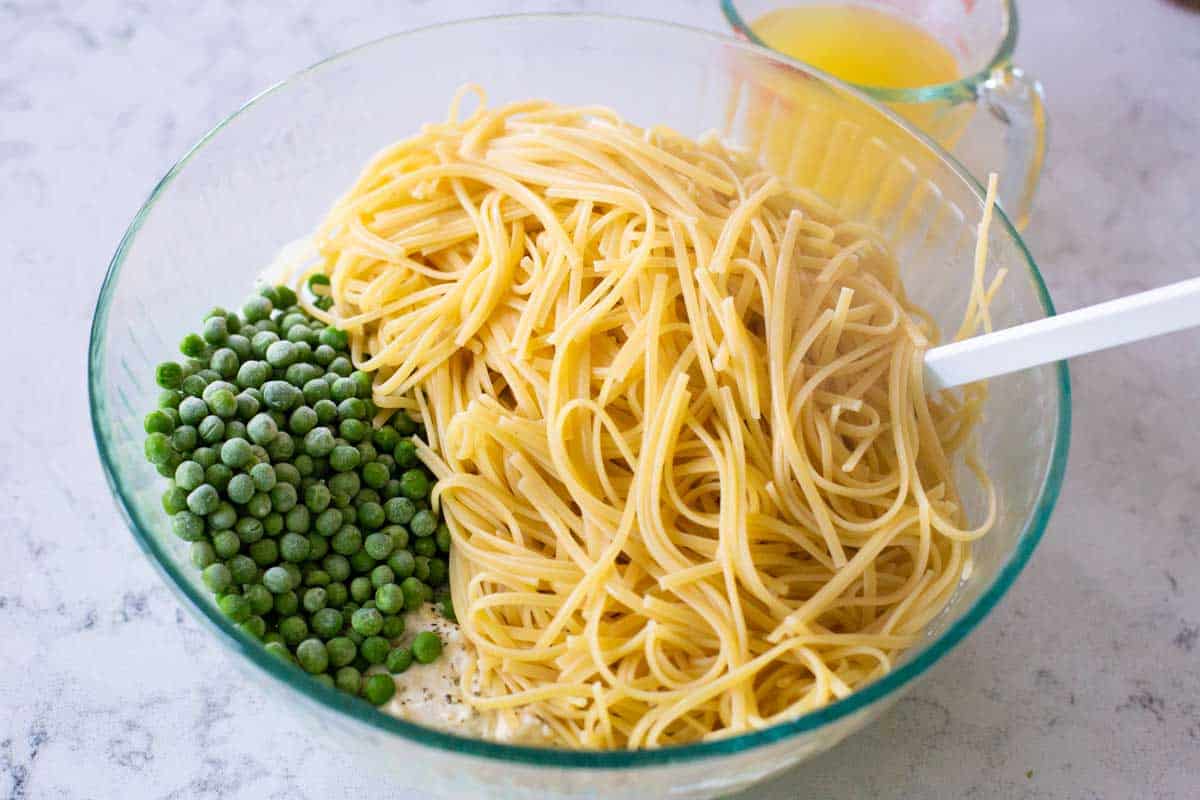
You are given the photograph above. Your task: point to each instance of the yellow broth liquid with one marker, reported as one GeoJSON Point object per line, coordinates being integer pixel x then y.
{"type": "Point", "coordinates": [871, 48]}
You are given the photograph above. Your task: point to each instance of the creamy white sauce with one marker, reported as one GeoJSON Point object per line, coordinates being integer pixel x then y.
{"type": "Point", "coordinates": [431, 694]}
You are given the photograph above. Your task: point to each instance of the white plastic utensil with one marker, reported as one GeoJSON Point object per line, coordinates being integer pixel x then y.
{"type": "Point", "coordinates": [1086, 330]}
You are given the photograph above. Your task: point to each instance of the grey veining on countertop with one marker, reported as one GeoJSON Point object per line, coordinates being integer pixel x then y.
{"type": "Point", "coordinates": [1085, 682]}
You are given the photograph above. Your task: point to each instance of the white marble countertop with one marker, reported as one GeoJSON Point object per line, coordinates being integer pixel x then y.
{"type": "Point", "coordinates": [1085, 682]}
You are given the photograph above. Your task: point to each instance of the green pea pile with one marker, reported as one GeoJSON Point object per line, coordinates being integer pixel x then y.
{"type": "Point", "coordinates": [312, 526]}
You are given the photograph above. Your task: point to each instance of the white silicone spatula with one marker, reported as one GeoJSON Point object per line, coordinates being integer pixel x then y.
{"type": "Point", "coordinates": [1126, 319]}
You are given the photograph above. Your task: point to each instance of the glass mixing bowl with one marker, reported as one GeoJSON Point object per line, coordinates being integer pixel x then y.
{"type": "Point", "coordinates": [265, 176]}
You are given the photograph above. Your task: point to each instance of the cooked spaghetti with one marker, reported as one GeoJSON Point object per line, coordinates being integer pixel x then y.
{"type": "Point", "coordinates": [675, 407]}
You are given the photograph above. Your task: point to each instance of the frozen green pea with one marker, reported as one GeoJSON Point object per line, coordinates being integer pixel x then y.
{"type": "Point", "coordinates": [328, 522]}
{"type": "Point", "coordinates": [257, 308]}
{"type": "Point", "coordinates": [426, 647]}
{"type": "Point", "coordinates": [235, 429]}
{"type": "Point", "coordinates": [282, 447]}
{"type": "Point", "coordinates": [341, 390]}
{"type": "Point", "coordinates": [158, 422]}
{"type": "Point", "coordinates": [337, 593]}
{"type": "Point", "coordinates": [293, 547]}
{"type": "Point", "coordinates": [211, 429]}
{"type": "Point", "coordinates": [225, 362]}
{"type": "Point", "coordinates": [344, 458]}
{"type": "Point", "coordinates": [314, 575]}
{"type": "Point", "coordinates": [281, 395]}
{"type": "Point", "coordinates": [249, 529]}
{"type": "Point", "coordinates": [284, 497]}
{"type": "Point", "coordinates": [347, 541]}
{"type": "Point", "coordinates": [280, 354]}
{"type": "Point", "coordinates": [277, 580]}
{"type": "Point", "coordinates": [370, 517]}
{"type": "Point", "coordinates": [374, 648]}
{"type": "Point", "coordinates": [287, 602]}
{"type": "Point", "coordinates": [235, 453]}
{"type": "Point", "coordinates": [353, 430]}
{"type": "Point", "coordinates": [382, 575]}
{"type": "Point", "coordinates": [174, 499]}
{"type": "Point", "coordinates": [188, 526]}
{"type": "Point", "coordinates": [168, 375]}
{"type": "Point", "coordinates": [243, 568]}
{"type": "Point", "coordinates": [342, 650]}
{"type": "Point", "coordinates": [263, 476]}
{"type": "Point", "coordinates": [402, 563]}
{"type": "Point", "coordinates": [158, 448]}
{"type": "Point", "coordinates": [399, 536]}
{"type": "Point", "coordinates": [259, 505]}
{"type": "Point", "coordinates": [326, 411]}
{"type": "Point", "coordinates": [404, 425]}
{"type": "Point", "coordinates": [217, 577]}
{"type": "Point", "coordinates": [315, 390]}
{"type": "Point", "coordinates": [223, 404]}
{"type": "Point", "coordinates": [398, 660]}
{"type": "Point", "coordinates": [193, 385]}
{"type": "Point", "coordinates": [193, 345]}
{"type": "Point", "coordinates": [189, 475]}
{"type": "Point", "coordinates": [216, 330]}
{"type": "Point", "coordinates": [366, 495]}
{"type": "Point", "coordinates": [170, 398]}
{"type": "Point", "coordinates": [348, 679]}
{"type": "Point", "coordinates": [302, 421]}
{"type": "Point", "coordinates": [219, 476]}
{"type": "Point", "coordinates": [240, 345]}
{"type": "Point", "coordinates": [367, 621]}
{"type": "Point", "coordinates": [297, 519]}
{"type": "Point", "coordinates": [265, 552]}
{"type": "Point", "coordinates": [423, 523]}
{"type": "Point", "coordinates": [184, 439]}
{"type": "Point", "coordinates": [240, 488]}
{"type": "Point", "coordinates": [324, 355]}
{"type": "Point", "coordinates": [378, 545]}
{"type": "Point", "coordinates": [203, 500]}
{"type": "Point", "coordinates": [415, 484]}
{"type": "Point", "coordinates": [425, 546]}
{"type": "Point", "coordinates": [378, 689]}
{"type": "Point", "coordinates": [361, 562]}
{"type": "Point", "coordinates": [414, 593]}
{"type": "Point", "coordinates": [226, 544]}
{"type": "Point", "coordinates": [399, 510]}
{"type": "Point", "coordinates": [224, 517]}
{"type": "Point", "coordinates": [319, 442]}
{"type": "Point", "coordinates": [261, 428]}
{"type": "Point", "coordinates": [317, 498]}
{"type": "Point", "coordinates": [389, 599]}
{"type": "Point", "coordinates": [247, 406]}
{"type": "Point", "coordinates": [255, 626]}
{"type": "Point", "coordinates": [287, 473]}
{"type": "Point", "coordinates": [326, 621]}
{"type": "Point", "coordinates": [337, 566]}
{"type": "Point", "coordinates": [205, 456]}
{"type": "Point", "coordinates": [202, 554]}
{"type": "Point", "coordinates": [361, 589]}
{"type": "Point", "coordinates": [273, 523]}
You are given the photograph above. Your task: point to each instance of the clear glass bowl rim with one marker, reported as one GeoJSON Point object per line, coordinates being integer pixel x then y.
{"type": "Point", "coordinates": [965, 88]}
{"type": "Point", "coordinates": [337, 702]}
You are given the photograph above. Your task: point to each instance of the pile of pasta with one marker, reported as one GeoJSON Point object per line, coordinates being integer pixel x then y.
{"type": "Point", "coordinates": [676, 411]}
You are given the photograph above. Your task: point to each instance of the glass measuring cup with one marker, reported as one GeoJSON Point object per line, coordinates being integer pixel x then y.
{"type": "Point", "coordinates": [1008, 137]}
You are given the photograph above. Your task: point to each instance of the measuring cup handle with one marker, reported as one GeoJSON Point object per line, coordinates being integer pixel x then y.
{"type": "Point", "coordinates": [1016, 101]}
